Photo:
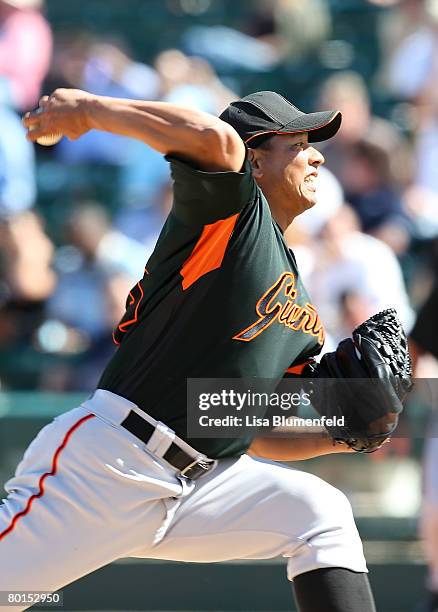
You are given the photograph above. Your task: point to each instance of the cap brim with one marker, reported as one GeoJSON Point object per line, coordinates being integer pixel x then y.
{"type": "Point", "coordinates": [319, 126]}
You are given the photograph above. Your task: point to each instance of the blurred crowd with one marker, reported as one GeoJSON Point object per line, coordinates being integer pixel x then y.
{"type": "Point", "coordinates": [68, 255]}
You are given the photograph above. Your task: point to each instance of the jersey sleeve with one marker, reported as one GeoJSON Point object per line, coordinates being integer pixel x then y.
{"type": "Point", "coordinates": [201, 198]}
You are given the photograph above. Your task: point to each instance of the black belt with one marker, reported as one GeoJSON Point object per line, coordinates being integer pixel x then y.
{"type": "Point", "coordinates": [188, 466]}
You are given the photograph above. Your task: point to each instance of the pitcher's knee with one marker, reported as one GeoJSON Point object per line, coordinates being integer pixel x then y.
{"type": "Point", "coordinates": [331, 538]}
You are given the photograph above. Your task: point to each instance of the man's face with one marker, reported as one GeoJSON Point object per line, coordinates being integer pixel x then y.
{"type": "Point", "coordinates": [288, 167]}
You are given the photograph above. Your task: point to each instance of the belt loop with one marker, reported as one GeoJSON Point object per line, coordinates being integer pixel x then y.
{"type": "Point", "coordinates": [161, 439]}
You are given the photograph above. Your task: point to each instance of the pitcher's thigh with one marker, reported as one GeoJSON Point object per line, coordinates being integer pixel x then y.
{"type": "Point", "coordinates": [56, 522]}
{"type": "Point", "coordinates": [252, 508]}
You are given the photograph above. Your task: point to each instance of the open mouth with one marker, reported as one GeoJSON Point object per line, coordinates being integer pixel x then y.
{"type": "Point", "coordinates": [310, 181]}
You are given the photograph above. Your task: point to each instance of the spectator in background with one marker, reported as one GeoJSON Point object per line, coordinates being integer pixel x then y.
{"type": "Point", "coordinates": [17, 164]}
{"type": "Point", "coordinates": [409, 43]}
{"type": "Point", "coordinates": [90, 231]}
{"type": "Point", "coordinates": [275, 31]}
{"type": "Point", "coordinates": [144, 223]}
{"type": "Point", "coordinates": [25, 50]}
{"type": "Point", "coordinates": [404, 20]}
{"type": "Point", "coordinates": [70, 55]}
{"type": "Point", "coordinates": [93, 252]}
{"type": "Point", "coordinates": [191, 80]}
{"type": "Point", "coordinates": [292, 27]}
{"type": "Point", "coordinates": [26, 282]}
{"type": "Point", "coordinates": [415, 53]}
{"type": "Point", "coordinates": [371, 190]}
{"type": "Point", "coordinates": [421, 206]}
{"type": "Point", "coordinates": [78, 356]}
{"type": "Point", "coordinates": [229, 50]}
{"type": "Point", "coordinates": [111, 71]}
{"type": "Point", "coordinates": [105, 68]}
{"type": "Point", "coordinates": [27, 254]}
{"type": "Point", "coordinates": [371, 159]}
{"type": "Point", "coordinates": [348, 92]}
{"type": "Point", "coordinates": [301, 26]}
{"type": "Point", "coordinates": [82, 310]}
{"type": "Point", "coordinates": [350, 275]}
{"type": "Point", "coordinates": [88, 368]}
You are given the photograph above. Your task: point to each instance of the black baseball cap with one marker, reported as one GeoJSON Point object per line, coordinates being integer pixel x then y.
{"type": "Point", "coordinates": [260, 115]}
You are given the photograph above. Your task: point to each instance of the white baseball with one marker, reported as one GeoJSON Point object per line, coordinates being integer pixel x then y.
{"type": "Point", "coordinates": [49, 139]}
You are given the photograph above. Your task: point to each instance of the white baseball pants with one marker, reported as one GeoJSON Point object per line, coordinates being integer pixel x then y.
{"type": "Point", "coordinates": [88, 492]}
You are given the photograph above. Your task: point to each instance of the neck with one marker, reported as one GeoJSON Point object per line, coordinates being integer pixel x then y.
{"type": "Point", "coordinates": [282, 215]}
{"type": "Point", "coordinates": [283, 218]}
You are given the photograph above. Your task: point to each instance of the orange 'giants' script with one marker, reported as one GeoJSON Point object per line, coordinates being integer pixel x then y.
{"type": "Point", "coordinates": [271, 308]}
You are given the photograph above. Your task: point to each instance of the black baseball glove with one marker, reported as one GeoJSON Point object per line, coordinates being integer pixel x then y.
{"type": "Point", "coordinates": [366, 381]}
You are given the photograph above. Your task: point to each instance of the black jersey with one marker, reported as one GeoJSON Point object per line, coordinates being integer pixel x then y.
{"type": "Point", "coordinates": [221, 297]}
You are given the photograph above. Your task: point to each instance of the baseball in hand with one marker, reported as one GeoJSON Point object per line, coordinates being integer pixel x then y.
{"type": "Point", "coordinates": [49, 139]}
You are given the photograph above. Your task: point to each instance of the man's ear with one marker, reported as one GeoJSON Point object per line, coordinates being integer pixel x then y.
{"type": "Point", "coordinates": [255, 159]}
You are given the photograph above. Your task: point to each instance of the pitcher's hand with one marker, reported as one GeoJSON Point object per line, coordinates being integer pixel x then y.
{"type": "Point", "coordinates": [65, 111]}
